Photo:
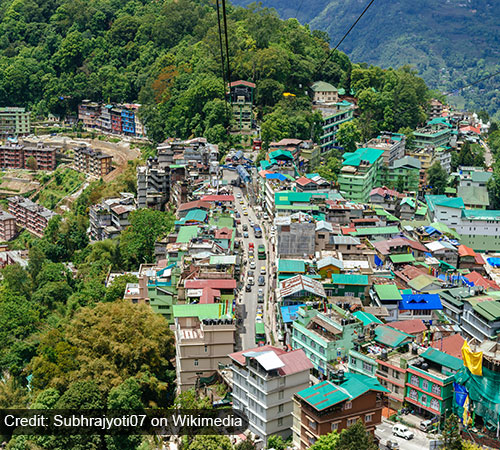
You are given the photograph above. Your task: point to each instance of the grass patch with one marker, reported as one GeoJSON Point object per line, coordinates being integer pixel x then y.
{"type": "Point", "coordinates": [58, 185]}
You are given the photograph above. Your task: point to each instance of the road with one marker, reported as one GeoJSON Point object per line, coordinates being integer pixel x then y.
{"type": "Point", "coordinates": [488, 157]}
{"type": "Point", "coordinates": [419, 442]}
{"type": "Point", "coordinates": [248, 300]}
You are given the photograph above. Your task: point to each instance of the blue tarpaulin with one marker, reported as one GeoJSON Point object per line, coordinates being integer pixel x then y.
{"type": "Point", "coordinates": [378, 261]}
{"type": "Point", "coordinates": [460, 393]}
{"type": "Point", "coordinates": [275, 176]}
{"type": "Point", "coordinates": [495, 262]}
{"type": "Point", "coordinates": [289, 313]}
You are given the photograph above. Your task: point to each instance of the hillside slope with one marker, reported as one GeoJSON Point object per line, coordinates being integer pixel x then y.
{"type": "Point", "coordinates": [450, 42]}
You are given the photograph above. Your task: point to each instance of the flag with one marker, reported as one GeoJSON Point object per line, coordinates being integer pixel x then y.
{"type": "Point", "coordinates": [466, 418]}
{"type": "Point", "coordinates": [472, 360]}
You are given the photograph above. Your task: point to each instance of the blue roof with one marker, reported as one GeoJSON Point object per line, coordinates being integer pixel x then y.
{"type": "Point", "coordinates": [289, 313]}
{"type": "Point", "coordinates": [418, 302]}
{"type": "Point", "coordinates": [275, 176]}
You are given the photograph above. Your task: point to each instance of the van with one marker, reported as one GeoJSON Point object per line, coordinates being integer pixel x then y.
{"type": "Point", "coordinates": [426, 425]}
{"type": "Point", "coordinates": [402, 431]}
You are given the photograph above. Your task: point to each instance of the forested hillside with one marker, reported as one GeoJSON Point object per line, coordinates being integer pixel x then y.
{"type": "Point", "coordinates": [451, 43]}
{"type": "Point", "coordinates": [165, 55]}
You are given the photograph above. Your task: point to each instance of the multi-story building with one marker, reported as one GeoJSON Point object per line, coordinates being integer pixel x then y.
{"type": "Point", "coordinates": [437, 133]}
{"type": "Point", "coordinates": [436, 109]}
{"type": "Point", "coordinates": [88, 113]}
{"type": "Point", "coordinates": [429, 386]}
{"type": "Point", "coordinates": [128, 121]}
{"type": "Point", "coordinates": [335, 406]}
{"type": "Point", "coordinates": [16, 156]}
{"type": "Point", "coordinates": [111, 216]}
{"type": "Point", "coordinates": [393, 145]}
{"type": "Point", "coordinates": [264, 382]}
{"type": "Point", "coordinates": [427, 157]}
{"type": "Point", "coordinates": [8, 228]}
{"type": "Point", "coordinates": [92, 162]}
{"type": "Point", "coordinates": [116, 120]}
{"type": "Point", "coordinates": [204, 338]}
{"type": "Point", "coordinates": [29, 215]}
{"type": "Point", "coordinates": [348, 285]}
{"type": "Point", "coordinates": [480, 318]}
{"type": "Point", "coordinates": [403, 173]}
{"type": "Point", "coordinates": [344, 112]}
{"type": "Point", "coordinates": [325, 337]}
{"type": "Point", "coordinates": [14, 121]}
{"type": "Point", "coordinates": [324, 93]}
{"type": "Point", "coordinates": [360, 173]}
{"type": "Point", "coordinates": [242, 94]}
{"type": "Point", "coordinates": [104, 119]}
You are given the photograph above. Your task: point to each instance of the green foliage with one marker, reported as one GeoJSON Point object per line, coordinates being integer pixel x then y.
{"type": "Point", "coordinates": [437, 178]}
{"type": "Point", "coordinates": [276, 442]}
{"type": "Point", "coordinates": [348, 135]}
{"type": "Point", "coordinates": [469, 155]}
{"type": "Point", "coordinates": [494, 187]}
{"type": "Point", "coordinates": [209, 442]}
{"type": "Point", "coordinates": [355, 437]}
{"type": "Point", "coordinates": [451, 433]}
{"type": "Point", "coordinates": [330, 168]}
{"type": "Point", "coordinates": [57, 186]}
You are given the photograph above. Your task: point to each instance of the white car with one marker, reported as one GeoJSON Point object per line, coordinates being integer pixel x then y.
{"type": "Point", "coordinates": [252, 265]}
{"type": "Point", "coordinates": [238, 195]}
{"type": "Point", "coordinates": [402, 431]}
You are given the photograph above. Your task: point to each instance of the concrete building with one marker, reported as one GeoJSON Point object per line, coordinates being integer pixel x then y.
{"type": "Point", "coordinates": [14, 121]}
{"type": "Point", "coordinates": [242, 94]}
{"type": "Point", "coordinates": [104, 119]}
{"type": "Point", "coordinates": [92, 162]}
{"type": "Point", "coordinates": [8, 228]}
{"type": "Point", "coordinates": [111, 216]}
{"type": "Point", "coordinates": [480, 318]}
{"type": "Point", "coordinates": [334, 406]}
{"type": "Point", "coordinates": [332, 119]}
{"type": "Point", "coordinates": [360, 173]}
{"type": "Point", "coordinates": [324, 92]}
{"type": "Point", "coordinates": [17, 156]}
{"type": "Point", "coordinates": [264, 382]}
{"type": "Point", "coordinates": [29, 215]}
{"type": "Point", "coordinates": [88, 113]}
{"type": "Point", "coordinates": [436, 109]}
{"type": "Point", "coordinates": [204, 338]}
{"type": "Point", "coordinates": [295, 239]}
{"type": "Point", "coordinates": [392, 144]}
{"type": "Point", "coordinates": [437, 133]}
{"type": "Point", "coordinates": [403, 172]}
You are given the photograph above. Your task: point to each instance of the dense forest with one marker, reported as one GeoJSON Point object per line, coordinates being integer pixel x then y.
{"type": "Point", "coordinates": [451, 43]}
{"type": "Point", "coordinates": [165, 55]}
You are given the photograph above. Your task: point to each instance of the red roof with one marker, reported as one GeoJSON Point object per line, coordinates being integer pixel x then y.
{"type": "Point", "coordinates": [479, 280]}
{"type": "Point", "coordinates": [218, 198]}
{"type": "Point", "coordinates": [302, 181]}
{"type": "Point", "coordinates": [384, 247]}
{"type": "Point", "coordinates": [384, 191]}
{"type": "Point", "coordinates": [214, 284]}
{"type": "Point", "coordinates": [197, 204]}
{"type": "Point", "coordinates": [223, 233]}
{"type": "Point", "coordinates": [479, 259]}
{"type": "Point", "coordinates": [476, 130]}
{"type": "Point", "coordinates": [242, 83]}
{"type": "Point", "coordinates": [452, 345]}
{"type": "Point", "coordinates": [285, 142]}
{"type": "Point", "coordinates": [348, 230]}
{"type": "Point", "coordinates": [294, 361]}
{"type": "Point", "coordinates": [463, 250]}
{"type": "Point", "coordinates": [413, 326]}
{"type": "Point", "coordinates": [208, 295]}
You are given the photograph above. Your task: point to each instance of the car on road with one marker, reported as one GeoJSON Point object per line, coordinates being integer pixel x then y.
{"type": "Point", "coordinates": [262, 281]}
{"type": "Point", "coordinates": [245, 227]}
{"type": "Point", "coordinates": [248, 288]}
{"type": "Point", "coordinates": [260, 311]}
{"type": "Point", "coordinates": [389, 445]}
{"type": "Point", "coordinates": [259, 319]}
{"type": "Point", "coordinates": [242, 202]}
{"type": "Point", "coordinates": [263, 270]}
{"type": "Point", "coordinates": [237, 215]}
{"type": "Point", "coordinates": [426, 425]}
{"type": "Point", "coordinates": [252, 264]}
{"type": "Point", "coordinates": [402, 431]}
{"type": "Point", "coordinates": [245, 212]}
{"type": "Point", "coordinates": [250, 246]}
{"type": "Point", "coordinates": [260, 296]}
{"type": "Point", "coordinates": [250, 273]}
{"type": "Point", "coordinates": [250, 221]}
{"type": "Point", "coordinates": [251, 281]}
{"type": "Point", "coordinates": [265, 216]}
{"type": "Point", "coordinates": [238, 195]}
{"type": "Point", "coordinates": [245, 234]}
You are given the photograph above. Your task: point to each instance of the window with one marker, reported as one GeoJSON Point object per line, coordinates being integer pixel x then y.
{"type": "Point", "coordinates": [436, 389]}
{"type": "Point", "coordinates": [423, 399]}
{"type": "Point", "coordinates": [368, 417]}
{"type": "Point", "coordinates": [311, 440]}
{"type": "Point", "coordinates": [434, 404]}
{"type": "Point", "coordinates": [395, 374]}
{"type": "Point", "coordinates": [206, 348]}
{"type": "Point", "coordinates": [413, 394]}
{"type": "Point", "coordinates": [395, 389]}
{"type": "Point", "coordinates": [280, 422]}
{"type": "Point", "coordinates": [312, 424]}
{"type": "Point", "coordinates": [335, 426]}
{"type": "Point", "coordinates": [367, 366]}
{"type": "Point", "coordinates": [195, 362]}
{"type": "Point", "coordinates": [281, 394]}
{"type": "Point", "coordinates": [425, 385]}
{"type": "Point", "coordinates": [321, 236]}
{"type": "Point", "coordinates": [351, 421]}
{"type": "Point", "coordinates": [414, 380]}
{"type": "Point", "coordinates": [348, 405]}
{"type": "Point", "coordinates": [280, 408]}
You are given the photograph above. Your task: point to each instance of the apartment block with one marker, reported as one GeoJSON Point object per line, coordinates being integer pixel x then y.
{"type": "Point", "coordinates": [14, 121]}
{"type": "Point", "coordinates": [88, 113]}
{"type": "Point", "coordinates": [29, 215]}
{"type": "Point", "coordinates": [16, 156]}
{"type": "Point", "coordinates": [110, 217]}
{"type": "Point", "coordinates": [264, 382]}
{"type": "Point", "coordinates": [393, 145]}
{"type": "Point", "coordinates": [204, 337]}
{"type": "Point", "coordinates": [92, 162]}
{"type": "Point", "coordinates": [437, 133]}
{"type": "Point", "coordinates": [334, 406]}
{"type": "Point", "coordinates": [242, 94]}
{"type": "Point", "coordinates": [8, 229]}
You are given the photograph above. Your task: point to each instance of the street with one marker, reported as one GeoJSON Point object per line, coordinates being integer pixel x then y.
{"type": "Point", "coordinates": [421, 440]}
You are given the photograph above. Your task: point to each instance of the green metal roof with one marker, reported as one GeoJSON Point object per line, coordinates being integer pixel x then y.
{"type": "Point", "coordinates": [362, 154]}
{"type": "Point", "coordinates": [350, 279]}
{"type": "Point", "coordinates": [387, 292]}
{"type": "Point", "coordinates": [442, 358]}
{"type": "Point", "coordinates": [451, 202]}
{"type": "Point", "coordinates": [281, 154]}
{"type": "Point", "coordinates": [398, 259]}
{"type": "Point", "coordinates": [369, 231]}
{"type": "Point", "coordinates": [291, 266]}
{"type": "Point", "coordinates": [202, 311]}
{"type": "Point", "coordinates": [366, 318]}
{"type": "Point", "coordinates": [187, 233]}
{"type": "Point", "coordinates": [289, 197]}
{"type": "Point", "coordinates": [481, 214]}
{"type": "Point", "coordinates": [474, 195]}
{"type": "Point", "coordinates": [490, 310]}
{"type": "Point", "coordinates": [480, 177]}
{"type": "Point", "coordinates": [391, 337]}
{"type": "Point", "coordinates": [422, 281]}
{"type": "Point", "coordinates": [323, 86]}
{"type": "Point", "coordinates": [198, 215]}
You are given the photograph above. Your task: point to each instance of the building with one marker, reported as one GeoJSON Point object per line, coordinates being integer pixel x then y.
{"type": "Point", "coordinates": [242, 94]}
{"type": "Point", "coordinates": [295, 239]}
{"type": "Point", "coordinates": [29, 215]}
{"type": "Point", "coordinates": [436, 109]}
{"type": "Point", "coordinates": [429, 386]}
{"type": "Point", "coordinates": [92, 162]}
{"type": "Point", "coordinates": [111, 216]}
{"type": "Point", "coordinates": [325, 337]}
{"type": "Point", "coordinates": [332, 119]}
{"type": "Point", "coordinates": [403, 173]}
{"type": "Point", "coordinates": [104, 119]}
{"type": "Point", "coordinates": [17, 156]}
{"type": "Point", "coordinates": [335, 406]}
{"type": "Point", "coordinates": [14, 121]}
{"type": "Point", "coordinates": [8, 228]}
{"type": "Point", "coordinates": [360, 173]}
{"type": "Point", "coordinates": [88, 113]}
{"type": "Point", "coordinates": [348, 285]}
{"type": "Point", "coordinates": [481, 318]}
{"type": "Point", "coordinates": [204, 337]}
{"type": "Point", "coordinates": [437, 133]}
{"type": "Point", "coordinates": [393, 145]}
{"type": "Point", "coordinates": [324, 92]}
{"type": "Point", "coordinates": [128, 121]}
{"type": "Point", "coordinates": [264, 382]}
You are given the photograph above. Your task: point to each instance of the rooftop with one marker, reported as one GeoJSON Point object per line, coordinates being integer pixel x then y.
{"type": "Point", "coordinates": [370, 155]}
{"type": "Point", "coordinates": [387, 292]}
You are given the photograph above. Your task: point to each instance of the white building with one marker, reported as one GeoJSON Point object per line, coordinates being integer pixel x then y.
{"type": "Point", "coordinates": [264, 381]}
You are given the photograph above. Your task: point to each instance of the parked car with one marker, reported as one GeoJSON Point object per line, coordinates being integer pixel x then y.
{"type": "Point", "coordinates": [402, 431]}
{"type": "Point", "coordinates": [251, 281]}
{"type": "Point", "coordinates": [250, 246]}
{"type": "Point", "coordinates": [250, 221]}
{"type": "Point", "coordinates": [262, 281]}
{"type": "Point", "coordinates": [252, 264]}
{"type": "Point", "coordinates": [260, 296]}
{"type": "Point", "coordinates": [250, 273]}
{"type": "Point", "coordinates": [263, 270]}
{"type": "Point", "coordinates": [245, 234]}
{"type": "Point", "coordinates": [426, 425]}
{"type": "Point", "coordinates": [238, 195]}
{"type": "Point", "coordinates": [248, 288]}
{"type": "Point", "coordinates": [245, 227]}
{"type": "Point", "coordinates": [391, 445]}
{"type": "Point", "coordinates": [265, 216]}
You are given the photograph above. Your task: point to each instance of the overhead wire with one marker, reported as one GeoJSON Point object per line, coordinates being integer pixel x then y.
{"type": "Point", "coordinates": [223, 65]}
{"type": "Point", "coordinates": [472, 84]}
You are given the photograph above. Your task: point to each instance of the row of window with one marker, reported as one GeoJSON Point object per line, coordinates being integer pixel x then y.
{"type": "Point", "coordinates": [424, 400]}
{"type": "Point", "coordinates": [435, 388]}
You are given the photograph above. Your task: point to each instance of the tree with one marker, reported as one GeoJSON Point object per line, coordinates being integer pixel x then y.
{"type": "Point", "coordinates": [117, 288]}
{"type": "Point", "coordinates": [276, 441]}
{"type": "Point", "coordinates": [31, 163]}
{"type": "Point", "coordinates": [247, 444]}
{"type": "Point", "coordinates": [410, 137]}
{"type": "Point", "coordinates": [437, 178]}
{"type": "Point", "coordinates": [348, 135]}
{"type": "Point", "coordinates": [326, 442]}
{"type": "Point", "coordinates": [209, 442]}
{"type": "Point", "coordinates": [329, 169]}
{"type": "Point", "coordinates": [355, 437]}
{"type": "Point", "coordinates": [451, 433]}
